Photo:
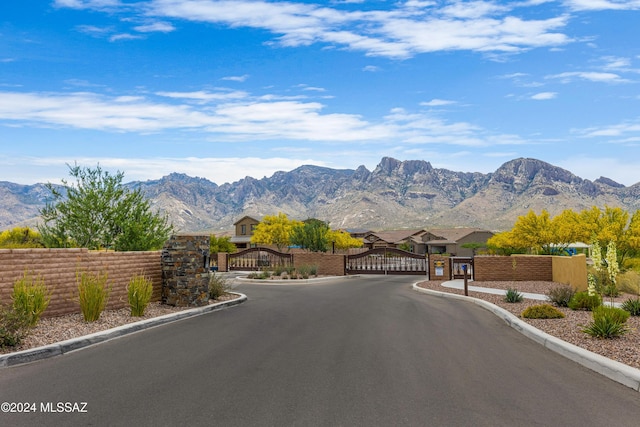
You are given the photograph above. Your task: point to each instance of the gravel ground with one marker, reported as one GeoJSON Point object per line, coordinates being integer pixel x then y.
{"type": "Point", "coordinates": [625, 349]}
{"type": "Point", "coordinates": [55, 329]}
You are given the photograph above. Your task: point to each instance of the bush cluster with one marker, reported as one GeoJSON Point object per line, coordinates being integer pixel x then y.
{"type": "Point", "coordinates": [218, 286]}
{"type": "Point", "coordinates": [139, 294]}
{"type": "Point", "coordinates": [14, 326]}
{"type": "Point", "coordinates": [608, 322]}
{"type": "Point", "coordinates": [632, 305]}
{"type": "Point", "coordinates": [542, 311]}
{"type": "Point", "coordinates": [584, 301]}
{"type": "Point", "coordinates": [30, 297]}
{"type": "Point", "coordinates": [93, 294]}
{"type": "Point", "coordinates": [561, 295]}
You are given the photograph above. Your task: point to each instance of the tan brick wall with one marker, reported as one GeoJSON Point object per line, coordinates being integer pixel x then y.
{"type": "Point", "coordinates": [58, 268]}
{"type": "Point", "coordinates": [328, 264]}
{"type": "Point", "coordinates": [515, 267]}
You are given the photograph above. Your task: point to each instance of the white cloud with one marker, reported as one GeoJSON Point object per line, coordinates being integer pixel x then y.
{"type": "Point", "coordinates": [542, 96]}
{"type": "Point", "coordinates": [371, 68]}
{"type": "Point", "coordinates": [162, 27]}
{"type": "Point", "coordinates": [124, 36]}
{"type": "Point", "coordinates": [618, 130]}
{"type": "Point", "coordinates": [437, 103]}
{"type": "Point", "coordinates": [588, 75]}
{"type": "Point", "coordinates": [603, 4]}
{"type": "Point", "coordinates": [236, 78]}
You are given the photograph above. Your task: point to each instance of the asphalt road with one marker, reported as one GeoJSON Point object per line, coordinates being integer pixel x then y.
{"type": "Point", "coordinates": [364, 351]}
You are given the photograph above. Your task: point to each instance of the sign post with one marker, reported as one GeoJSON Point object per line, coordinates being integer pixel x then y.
{"type": "Point", "coordinates": [466, 284]}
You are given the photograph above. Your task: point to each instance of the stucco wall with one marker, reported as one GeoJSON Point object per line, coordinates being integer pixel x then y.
{"type": "Point", "coordinates": [58, 268]}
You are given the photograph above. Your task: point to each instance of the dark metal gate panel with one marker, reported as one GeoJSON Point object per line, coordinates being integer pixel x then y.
{"type": "Point", "coordinates": [256, 259]}
{"type": "Point", "coordinates": [386, 261]}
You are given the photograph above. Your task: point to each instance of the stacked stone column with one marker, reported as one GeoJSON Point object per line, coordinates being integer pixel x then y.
{"type": "Point", "coordinates": [185, 271]}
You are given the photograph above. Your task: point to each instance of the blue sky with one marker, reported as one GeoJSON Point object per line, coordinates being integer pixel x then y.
{"type": "Point", "coordinates": [228, 89]}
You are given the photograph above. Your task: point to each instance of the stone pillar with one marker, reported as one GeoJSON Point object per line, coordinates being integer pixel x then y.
{"type": "Point", "coordinates": [185, 271]}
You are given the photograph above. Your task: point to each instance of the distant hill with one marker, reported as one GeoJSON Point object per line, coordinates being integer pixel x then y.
{"type": "Point", "coordinates": [395, 194]}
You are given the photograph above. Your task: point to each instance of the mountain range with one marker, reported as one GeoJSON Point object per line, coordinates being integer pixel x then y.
{"type": "Point", "coordinates": [396, 194]}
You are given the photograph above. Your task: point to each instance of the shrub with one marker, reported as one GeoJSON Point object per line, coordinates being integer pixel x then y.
{"type": "Point", "coordinates": [584, 301]}
{"type": "Point", "coordinates": [629, 282]}
{"type": "Point", "coordinates": [218, 286]}
{"type": "Point", "coordinates": [93, 294]}
{"type": "Point", "coordinates": [139, 292]}
{"type": "Point", "coordinates": [304, 270]}
{"type": "Point", "coordinates": [542, 311]}
{"type": "Point", "coordinates": [513, 295]}
{"type": "Point", "coordinates": [278, 270]}
{"type": "Point", "coordinates": [14, 326]}
{"type": "Point", "coordinates": [30, 297]}
{"type": "Point", "coordinates": [313, 270]}
{"type": "Point", "coordinates": [561, 295]}
{"type": "Point", "coordinates": [632, 305]}
{"type": "Point", "coordinates": [608, 322]}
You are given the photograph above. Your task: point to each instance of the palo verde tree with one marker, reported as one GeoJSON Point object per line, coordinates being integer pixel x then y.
{"type": "Point", "coordinates": [274, 230]}
{"type": "Point", "coordinates": [221, 244]}
{"type": "Point", "coordinates": [97, 211]}
{"type": "Point", "coordinates": [20, 237]}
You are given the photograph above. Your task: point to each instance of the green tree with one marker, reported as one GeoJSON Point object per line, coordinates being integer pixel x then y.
{"type": "Point", "coordinates": [20, 237]}
{"type": "Point", "coordinates": [221, 244]}
{"type": "Point", "coordinates": [274, 230]}
{"type": "Point", "coordinates": [98, 212]}
{"type": "Point", "coordinates": [312, 234]}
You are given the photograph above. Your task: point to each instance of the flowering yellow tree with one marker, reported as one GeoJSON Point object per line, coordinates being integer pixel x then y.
{"type": "Point", "coordinates": [275, 230]}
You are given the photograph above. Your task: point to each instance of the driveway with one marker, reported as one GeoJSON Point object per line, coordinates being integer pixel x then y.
{"type": "Point", "coordinates": [362, 351]}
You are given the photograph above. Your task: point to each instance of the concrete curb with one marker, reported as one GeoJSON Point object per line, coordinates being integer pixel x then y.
{"type": "Point", "coordinates": [62, 347]}
{"type": "Point", "coordinates": [611, 369]}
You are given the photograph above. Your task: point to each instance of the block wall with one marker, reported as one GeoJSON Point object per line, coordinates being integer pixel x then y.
{"type": "Point", "coordinates": [515, 268]}
{"type": "Point", "coordinates": [58, 268]}
{"type": "Point", "coordinates": [328, 264]}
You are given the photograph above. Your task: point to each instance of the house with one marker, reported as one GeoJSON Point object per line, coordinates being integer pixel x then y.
{"type": "Point", "coordinates": [244, 228]}
{"type": "Point", "coordinates": [452, 240]}
{"type": "Point", "coordinates": [394, 239]}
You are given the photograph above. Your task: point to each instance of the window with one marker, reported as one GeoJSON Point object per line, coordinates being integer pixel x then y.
{"type": "Point", "coordinates": [243, 229]}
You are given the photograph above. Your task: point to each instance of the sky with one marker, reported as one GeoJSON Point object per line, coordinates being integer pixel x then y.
{"type": "Point", "coordinates": [228, 89]}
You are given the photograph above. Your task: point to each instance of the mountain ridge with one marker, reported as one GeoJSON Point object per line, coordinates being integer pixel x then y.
{"type": "Point", "coordinates": [395, 194]}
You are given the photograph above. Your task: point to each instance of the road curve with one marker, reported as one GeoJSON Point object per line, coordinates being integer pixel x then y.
{"type": "Point", "coordinates": [365, 351]}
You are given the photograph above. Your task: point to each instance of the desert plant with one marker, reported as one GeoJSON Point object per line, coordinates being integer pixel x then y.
{"type": "Point", "coordinates": [290, 269]}
{"type": "Point", "coordinates": [303, 270]}
{"type": "Point", "coordinates": [561, 295]}
{"type": "Point", "coordinates": [542, 311]}
{"type": "Point", "coordinates": [218, 286]}
{"type": "Point", "coordinates": [14, 326]}
{"type": "Point", "coordinates": [31, 297]}
{"type": "Point", "coordinates": [608, 322]}
{"type": "Point", "coordinates": [632, 305]}
{"type": "Point", "coordinates": [584, 301]}
{"type": "Point", "coordinates": [278, 269]}
{"type": "Point", "coordinates": [513, 296]}
{"type": "Point", "coordinates": [629, 282]}
{"type": "Point", "coordinates": [313, 269]}
{"type": "Point", "coordinates": [93, 294]}
{"type": "Point", "coordinates": [139, 293]}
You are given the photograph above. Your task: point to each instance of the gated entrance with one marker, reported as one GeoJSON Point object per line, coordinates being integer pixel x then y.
{"type": "Point", "coordinates": [255, 259]}
{"type": "Point", "coordinates": [386, 261]}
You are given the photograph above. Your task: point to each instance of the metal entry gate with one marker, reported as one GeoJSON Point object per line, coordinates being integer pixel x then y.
{"type": "Point", "coordinates": [256, 259]}
{"type": "Point", "coordinates": [458, 265]}
{"type": "Point", "coordinates": [386, 261]}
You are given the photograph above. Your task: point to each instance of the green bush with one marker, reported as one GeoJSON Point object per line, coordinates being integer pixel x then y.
{"type": "Point", "coordinates": [304, 270]}
{"type": "Point", "coordinates": [139, 293]}
{"type": "Point", "coordinates": [584, 301]}
{"type": "Point", "coordinates": [632, 305]}
{"type": "Point", "coordinates": [513, 295]}
{"type": "Point", "coordinates": [218, 286]}
{"type": "Point", "coordinates": [14, 326]}
{"type": "Point", "coordinates": [561, 295]}
{"type": "Point", "coordinates": [30, 297]}
{"type": "Point", "coordinates": [93, 294]}
{"type": "Point", "coordinates": [608, 322]}
{"type": "Point", "coordinates": [313, 270]}
{"type": "Point", "coordinates": [542, 311]}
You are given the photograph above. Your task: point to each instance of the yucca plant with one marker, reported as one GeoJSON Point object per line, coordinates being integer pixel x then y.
{"type": "Point", "coordinates": [31, 297]}
{"type": "Point", "coordinates": [632, 305]}
{"type": "Point", "coordinates": [93, 294]}
{"type": "Point", "coordinates": [513, 295]}
{"type": "Point", "coordinates": [139, 293]}
{"type": "Point", "coordinates": [608, 322]}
